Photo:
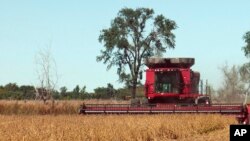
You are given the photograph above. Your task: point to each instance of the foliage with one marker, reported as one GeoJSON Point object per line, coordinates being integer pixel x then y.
{"type": "Point", "coordinates": [13, 91]}
{"type": "Point", "coordinates": [11, 87]}
{"type": "Point", "coordinates": [246, 48]}
{"type": "Point", "coordinates": [63, 91]}
{"type": "Point", "coordinates": [245, 68]}
{"type": "Point", "coordinates": [127, 42]}
{"type": "Point", "coordinates": [105, 92]}
{"type": "Point", "coordinates": [27, 92]}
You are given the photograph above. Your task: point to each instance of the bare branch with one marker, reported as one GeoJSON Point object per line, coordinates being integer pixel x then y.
{"type": "Point", "coordinates": [47, 73]}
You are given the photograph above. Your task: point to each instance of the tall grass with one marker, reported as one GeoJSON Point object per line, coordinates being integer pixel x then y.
{"type": "Point", "coordinates": [8, 107]}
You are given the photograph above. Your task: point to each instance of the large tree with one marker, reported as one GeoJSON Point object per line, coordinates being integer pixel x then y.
{"type": "Point", "coordinates": [127, 42]}
{"type": "Point", "coordinates": [245, 69]}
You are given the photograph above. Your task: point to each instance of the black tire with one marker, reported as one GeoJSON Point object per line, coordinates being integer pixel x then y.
{"type": "Point", "coordinates": [81, 109]}
{"type": "Point", "coordinates": [144, 102]}
{"type": "Point", "coordinates": [135, 102]}
{"type": "Point", "coordinates": [204, 100]}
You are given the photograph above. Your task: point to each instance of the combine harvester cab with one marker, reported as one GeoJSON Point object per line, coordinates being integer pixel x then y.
{"type": "Point", "coordinates": [171, 80]}
{"type": "Point", "coordinates": [170, 83]}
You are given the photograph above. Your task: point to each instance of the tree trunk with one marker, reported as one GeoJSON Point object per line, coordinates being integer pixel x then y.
{"type": "Point", "coordinates": [134, 84]}
{"type": "Point", "coordinates": [133, 90]}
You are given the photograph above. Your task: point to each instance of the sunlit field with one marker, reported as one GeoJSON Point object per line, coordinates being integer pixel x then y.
{"type": "Point", "coordinates": [115, 127]}
{"type": "Point", "coordinates": [40, 123]}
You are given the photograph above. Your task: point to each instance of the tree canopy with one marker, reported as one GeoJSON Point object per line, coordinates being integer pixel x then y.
{"type": "Point", "coordinates": [245, 69]}
{"type": "Point", "coordinates": [127, 42]}
{"type": "Point", "coordinates": [246, 48]}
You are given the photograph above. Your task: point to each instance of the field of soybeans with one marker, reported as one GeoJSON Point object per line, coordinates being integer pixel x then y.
{"type": "Point", "coordinates": [33, 120]}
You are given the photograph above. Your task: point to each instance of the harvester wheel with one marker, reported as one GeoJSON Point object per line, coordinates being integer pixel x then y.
{"type": "Point", "coordinates": [144, 102]}
{"type": "Point", "coordinates": [203, 100]}
{"type": "Point", "coordinates": [81, 109]}
{"type": "Point", "coordinates": [135, 102]}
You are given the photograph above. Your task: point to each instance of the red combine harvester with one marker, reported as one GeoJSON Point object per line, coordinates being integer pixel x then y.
{"type": "Point", "coordinates": [171, 87]}
{"type": "Point", "coordinates": [170, 80]}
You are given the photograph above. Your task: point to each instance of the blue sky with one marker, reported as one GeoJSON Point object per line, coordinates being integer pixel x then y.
{"type": "Point", "coordinates": [210, 31]}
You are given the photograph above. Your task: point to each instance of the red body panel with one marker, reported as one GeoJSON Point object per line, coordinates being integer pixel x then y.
{"type": "Point", "coordinates": [185, 73]}
{"type": "Point", "coordinates": [186, 85]}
